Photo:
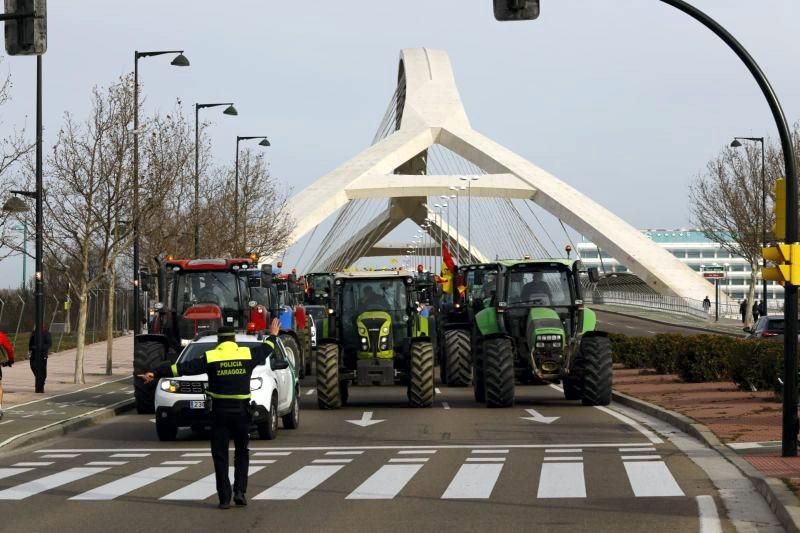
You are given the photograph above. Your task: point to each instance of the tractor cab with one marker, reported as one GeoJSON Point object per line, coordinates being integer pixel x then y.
{"type": "Point", "coordinates": [318, 289]}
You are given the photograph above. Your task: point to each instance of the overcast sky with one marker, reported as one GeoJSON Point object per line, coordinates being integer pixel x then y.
{"type": "Point", "coordinates": [626, 99]}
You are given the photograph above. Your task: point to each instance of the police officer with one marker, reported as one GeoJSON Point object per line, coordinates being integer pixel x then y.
{"type": "Point", "coordinates": [229, 367]}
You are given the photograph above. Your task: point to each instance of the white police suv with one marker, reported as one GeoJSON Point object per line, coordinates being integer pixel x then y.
{"type": "Point", "coordinates": [181, 402]}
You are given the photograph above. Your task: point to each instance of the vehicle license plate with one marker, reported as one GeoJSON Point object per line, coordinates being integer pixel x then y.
{"type": "Point", "coordinates": [197, 404]}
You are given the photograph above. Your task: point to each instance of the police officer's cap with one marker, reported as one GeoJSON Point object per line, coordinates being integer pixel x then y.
{"type": "Point", "coordinates": [226, 332]}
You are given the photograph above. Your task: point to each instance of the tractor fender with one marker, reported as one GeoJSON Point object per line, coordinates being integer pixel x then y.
{"type": "Point", "coordinates": [487, 323]}
{"type": "Point", "coordinates": [589, 321]}
{"type": "Point", "coordinates": [153, 337]}
{"type": "Point", "coordinates": [595, 333]}
{"type": "Point", "coordinates": [329, 340]}
{"type": "Point", "coordinates": [498, 335]}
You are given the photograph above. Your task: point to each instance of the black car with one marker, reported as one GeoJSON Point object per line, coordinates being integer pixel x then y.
{"type": "Point", "coordinates": [767, 327]}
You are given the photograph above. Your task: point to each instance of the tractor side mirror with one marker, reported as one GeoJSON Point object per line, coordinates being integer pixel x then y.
{"type": "Point", "coordinates": [255, 280]}
{"type": "Point", "coordinates": [144, 280]}
{"type": "Point", "coordinates": [594, 274]}
{"type": "Point", "coordinates": [278, 364]}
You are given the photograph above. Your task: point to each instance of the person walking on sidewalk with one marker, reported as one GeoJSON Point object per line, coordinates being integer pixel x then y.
{"type": "Point", "coordinates": [743, 310]}
{"type": "Point", "coordinates": [756, 311]}
{"type": "Point", "coordinates": [706, 304]}
{"type": "Point", "coordinates": [229, 367]}
{"type": "Point", "coordinates": [39, 360]}
{"type": "Point", "coordinates": [6, 359]}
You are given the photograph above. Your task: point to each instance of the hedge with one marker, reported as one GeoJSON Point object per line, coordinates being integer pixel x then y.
{"type": "Point", "coordinates": [750, 364]}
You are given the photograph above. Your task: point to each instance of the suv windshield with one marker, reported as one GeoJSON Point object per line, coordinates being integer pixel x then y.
{"type": "Point", "coordinates": [196, 350]}
{"type": "Point", "coordinates": [218, 288]}
{"type": "Point", "coordinates": [545, 287]}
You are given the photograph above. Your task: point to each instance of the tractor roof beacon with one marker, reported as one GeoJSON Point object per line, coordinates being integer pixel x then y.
{"type": "Point", "coordinates": [196, 297]}
{"type": "Point", "coordinates": [376, 335]}
{"type": "Point", "coordinates": [529, 325]}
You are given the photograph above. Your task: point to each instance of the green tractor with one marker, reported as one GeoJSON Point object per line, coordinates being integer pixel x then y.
{"type": "Point", "coordinates": [376, 335]}
{"type": "Point", "coordinates": [529, 326]}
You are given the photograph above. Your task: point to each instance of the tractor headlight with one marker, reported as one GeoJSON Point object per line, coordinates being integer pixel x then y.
{"type": "Point", "coordinates": [364, 341]}
{"type": "Point", "coordinates": [540, 344]}
{"type": "Point", "coordinates": [256, 383]}
{"type": "Point", "coordinates": [384, 330]}
{"type": "Point", "coordinates": [169, 385]}
{"type": "Point", "coordinates": [384, 340]}
{"type": "Point", "coordinates": [384, 346]}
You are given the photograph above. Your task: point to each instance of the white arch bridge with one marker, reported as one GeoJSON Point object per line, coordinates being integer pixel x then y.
{"type": "Point", "coordinates": [425, 155]}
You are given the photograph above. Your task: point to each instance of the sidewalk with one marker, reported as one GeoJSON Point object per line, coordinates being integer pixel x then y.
{"type": "Point", "coordinates": [29, 416]}
{"type": "Point", "coordinates": [747, 422]}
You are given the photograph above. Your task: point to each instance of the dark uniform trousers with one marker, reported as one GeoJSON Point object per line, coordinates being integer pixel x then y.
{"type": "Point", "coordinates": [229, 368]}
{"type": "Point", "coordinates": [230, 420]}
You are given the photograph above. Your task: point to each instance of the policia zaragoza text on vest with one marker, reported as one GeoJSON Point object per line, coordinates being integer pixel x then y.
{"type": "Point", "coordinates": [229, 367]}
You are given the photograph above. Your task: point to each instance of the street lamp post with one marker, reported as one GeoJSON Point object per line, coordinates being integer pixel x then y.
{"type": "Point", "coordinates": [229, 110]}
{"type": "Point", "coordinates": [737, 144]}
{"type": "Point", "coordinates": [179, 61]}
{"type": "Point", "coordinates": [264, 142]}
{"type": "Point", "coordinates": [469, 180]}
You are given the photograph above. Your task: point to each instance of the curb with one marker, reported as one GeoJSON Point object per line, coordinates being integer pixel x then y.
{"type": "Point", "coordinates": [67, 426]}
{"type": "Point", "coordinates": [780, 499]}
{"type": "Point", "coordinates": [674, 324]}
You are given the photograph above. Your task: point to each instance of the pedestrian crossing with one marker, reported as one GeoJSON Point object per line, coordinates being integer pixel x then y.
{"type": "Point", "coordinates": [555, 473]}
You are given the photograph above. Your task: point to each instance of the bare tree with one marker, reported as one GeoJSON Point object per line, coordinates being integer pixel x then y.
{"type": "Point", "coordinates": [726, 204]}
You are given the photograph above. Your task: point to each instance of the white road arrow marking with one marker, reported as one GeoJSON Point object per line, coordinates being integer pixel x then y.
{"type": "Point", "coordinates": [366, 420]}
{"type": "Point", "coordinates": [536, 417]}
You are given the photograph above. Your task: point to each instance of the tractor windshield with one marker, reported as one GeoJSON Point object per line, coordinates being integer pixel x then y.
{"type": "Point", "coordinates": [217, 288]}
{"type": "Point", "coordinates": [362, 295]}
{"type": "Point", "coordinates": [545, 288]}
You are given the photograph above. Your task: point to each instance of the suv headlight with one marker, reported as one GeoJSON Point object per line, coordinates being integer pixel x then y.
{"type": "Point", "coordinates": [169, 385]}
{"type": "Point", "coordinates": [256, 383]}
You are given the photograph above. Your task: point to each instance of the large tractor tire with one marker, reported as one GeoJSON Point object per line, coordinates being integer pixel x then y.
{"type": "Point", "coordinates": [479, 377]}
{"type": "Point", "coordinates": [328, 389]}
{"type": "Point", "coordinates": [457, 350]}
{"type": "Point", "coordinates": [499, 372]}
{"type": "Point", "coordinates": [147, 356]}
{"type": "Point", "coordinates": [597, 370]}
{"type": "Point", "coordinates": [294, 353]}
{"type": "Point", "coordinates": [420, 382]}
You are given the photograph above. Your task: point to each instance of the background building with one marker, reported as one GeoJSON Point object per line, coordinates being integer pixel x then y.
{"type": "Point", "coordinates": [696, 250]}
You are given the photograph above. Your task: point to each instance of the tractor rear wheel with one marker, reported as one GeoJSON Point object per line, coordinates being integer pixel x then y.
{"type": "Point", "coordinates": [294, 353]}
{"type": "Point", "coordinates": [499, 372]}
{"type": "Point", "coordinates": [147, 356]}
{"type": "Point", "coordinates": [479, 376]}
{"type": "Point", "coordinates": [597, 370]}
{"type": "Point", "coordinates": [420, 383]}
{"type": "Point", "coordinates": [457, 358]}
{"type": "Point", "coordinates": [328, 389]}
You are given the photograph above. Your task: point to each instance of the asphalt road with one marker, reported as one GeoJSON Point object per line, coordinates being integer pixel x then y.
{"type": "Point", "coordinates": [630, 325]}
{"type": "Point", "coordinates": [544, 464]}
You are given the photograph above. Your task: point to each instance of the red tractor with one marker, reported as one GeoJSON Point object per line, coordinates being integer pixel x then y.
{"type": "Point", "coordinates": [196, 297]}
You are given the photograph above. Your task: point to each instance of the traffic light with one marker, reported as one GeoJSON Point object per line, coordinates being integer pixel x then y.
{"type": "Point", "coordinates": [26, 27]}
{"type": "Point", "coordinates": [779, 230]}
{"type": "Point", "coordinates": [516, 9]}
{"type": "Point", "coordinates": [781, 254]}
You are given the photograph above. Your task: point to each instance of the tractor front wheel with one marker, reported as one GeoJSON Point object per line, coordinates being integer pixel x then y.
{"type": "Point", "coordinates": [147, 355]}
{"type": "Point", "coordinates": [420, 383]}
{"type": "Point", "coordinates": [479, 377]}
{"type": "Point", "coordinates": [499, 372]}
{"type": "Point", "coordinates": [597, 370]}
{"type": "Point", "coordinates": [328, 389]}
{"type": "Point", "coordinates": [294, 353]}
{"type": "Point", "coordinates": [457, 358]}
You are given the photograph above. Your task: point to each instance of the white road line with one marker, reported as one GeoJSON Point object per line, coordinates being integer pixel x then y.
{"type": "Point", "coordinates": [6, 422]}
{"type": "Point", "coordinates": [562, 480]}
{"type": "Point", "coordinates": [652, 332]}
{"type": "Point", "coordinates": [652, 437]}
{"type": "Point", "coordinates": [409, 460]}
{"type": "Point", "coordinates": [564, 458]}
{"type": "Point", "coordinates": [288, 450]}
{"type": "Point", "coordinates": [267, 454]}
{"type": "Point", "coordinates": [489, 451]}
{"type": "Point", "coordinates": [709, 518]}
{"type": "Point", "coordinates": [309, 392]}
{"type": "Point", "coordinates": [346, 452]}
{"type": "Point", "coordinates": [122, 486]}
{"type": "Point", "coordinates": [121, 455]}
{"type": "Point", "coordinates": [651, 478]}
{"type": "Point", "coordinates": [630, 327]}
{"type": "Point", "coordinates": [486, 459]}
{"type": "Point", "coordinates": [179, 463]}
{"type": "Point", "coordinates": [197, 454]}
{"type": "Point", "coordinates": [106, 463]}
{"type": "Point", "coordinates": [262, 461]}
{"type": "Point", "coordinates": [564, 450]}
{"type": "Point", "coordinates": [300, 483]}
{"type": "Point", "coordinates": [637, 449]}
{"type": "Point", "coordinates": [473, 482]}
{"type": "Point", "coordinates": [203, 488]}
{"type": "Point", "coordinates": [31, 488]}
{"type": "Point", "coordinates": [436, 390]}
{"type": "Point", "coordinates": [332, 461]}
{"type": "Point", "coordinates": [27, 416]}
{"type": "Point", "coordinates": [48, 398]}
{"type": "Point", "coordinates": [386, 483]}
{"type": "Point", "coordinates": [96, 396]}
{"type": "Point", "coordinates": [8, 472]}
{"type": "Point", "coordinates": [416, 452]}
{"type": "Point", "coordinates": [60, 455]}
{"type": "Point", "coordinates": [446, 405]}
{"type": "Point", "coordinates": [34, 463]}
{"type": "Point", "coordinates": [641, 457]}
